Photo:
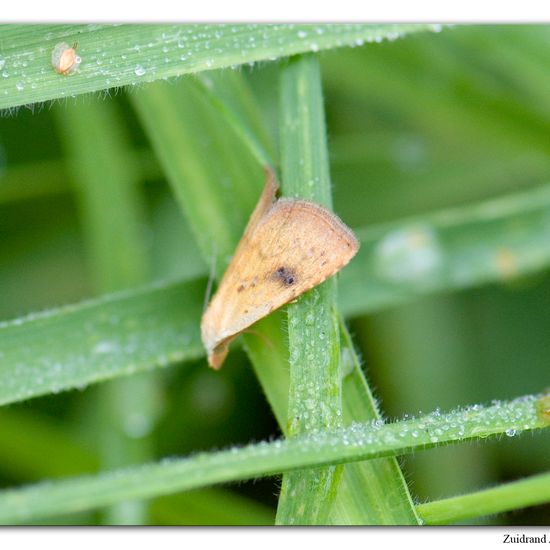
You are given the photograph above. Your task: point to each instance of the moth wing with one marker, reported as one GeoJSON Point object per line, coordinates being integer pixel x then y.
{"type": "Point", "coordinates": [292, 246]}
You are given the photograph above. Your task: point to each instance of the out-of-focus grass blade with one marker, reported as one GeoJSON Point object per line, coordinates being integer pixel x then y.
{"type": "Point", "coordinates": [113, 212]}
{"type": "Point", "coordinates": [120, 55]}
{"type": "Point", "coordinates": [402, 174]}
{"type": "Point", "coordinates": [495, 240]}
{"type": "Point", "coordinates": [26, 435]}
{"type": "Point", "coordinates": [229, 93]}
{"type": "Point", "coordinates": [435, 87]}
{"type": "Point", "coordinates": [215, 179]}
{"type": "Point", "coordinates": [215, 506]}
{"type": "Point", "coordinates": [106, 184]}
{"type": "Point", "coordinates": [49, 177]}
{"type": "Point", "coordinates": [470, 122]}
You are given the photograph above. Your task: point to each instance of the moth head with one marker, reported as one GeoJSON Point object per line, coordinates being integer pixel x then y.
{"type": "Point", "coordinates": [217, 355]}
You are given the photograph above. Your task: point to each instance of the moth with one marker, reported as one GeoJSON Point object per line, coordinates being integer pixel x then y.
{"type": "Point", "coordinates": [288, 247]}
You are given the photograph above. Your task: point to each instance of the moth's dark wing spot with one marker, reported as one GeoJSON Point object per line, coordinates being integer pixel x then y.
{"type": "Point", "coordinates": [285, 276]}
{"type": "Point", "coordinates": [240, 288]}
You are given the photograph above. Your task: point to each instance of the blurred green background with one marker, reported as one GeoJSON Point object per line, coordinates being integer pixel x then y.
{"type": "Point", "coordinates": [427, 122]}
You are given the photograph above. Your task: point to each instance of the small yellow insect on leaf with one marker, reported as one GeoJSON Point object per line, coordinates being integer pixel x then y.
{"type": "Point", "coordinates": [64, 58]}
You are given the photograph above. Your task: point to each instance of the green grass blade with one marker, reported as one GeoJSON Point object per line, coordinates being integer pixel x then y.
{"type": "Point", "coordinates": [107, 188]}
{"type": "Point", "coordinates": [113, 212]}
{"type": "Point", "coordinates": [209, 507]}
{"type": "Point", "coordinates": [508, 496]}
{"type": "Point", "coordinates": [121, 55]}
{"type": "Point", "coordinates": [449, 115]}
{"type": "Point", "coordinates": [230, 94]}
{"type": "Point", "coordinates": [174, 118]}
{"type": "Point", "coordinates": [489, 241]}
{"type": "Point", "coordinates": [376, 487]}
{"type": "Point", "coordinates": [111, 336]}
{"type": "Point", "coordinates": [357, 442]}
{"type": "Point", "coordinates": [372, 493]}
{"type": "Point", "coordinates": [37, 179]}
{"type": "Point", "coordinates": [315, 398]}
{"type": "Point", "coordinates": [25, 435]}
{"type": "Point", "coordinates": [267, 348]}
{"type": "Point", "coordinates": [401, 190]}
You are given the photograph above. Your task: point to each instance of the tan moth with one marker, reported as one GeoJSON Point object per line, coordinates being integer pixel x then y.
{"type": "Point", "coordinates": [288, 247]}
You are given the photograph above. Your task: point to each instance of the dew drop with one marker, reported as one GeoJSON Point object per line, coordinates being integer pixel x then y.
{"type": "Point", "coordinates": [139, 70]}
{"type": "Point", "coordinates": [137, 425]}
{"type": "Point", "coordinates": [105, 346]}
